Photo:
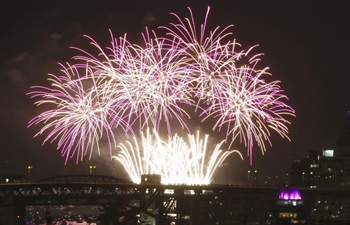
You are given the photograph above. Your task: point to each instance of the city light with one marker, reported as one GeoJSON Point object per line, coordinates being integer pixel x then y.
{"type": "Point", "coordinates": [92, 170]}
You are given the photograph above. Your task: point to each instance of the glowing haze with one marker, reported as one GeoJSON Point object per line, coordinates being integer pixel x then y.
{"type": "Point", "coordinates": [152, 86]}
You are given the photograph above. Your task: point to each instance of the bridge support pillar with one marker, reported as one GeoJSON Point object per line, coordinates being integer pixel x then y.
{"type": "Point", "coordinates": [151, 205]}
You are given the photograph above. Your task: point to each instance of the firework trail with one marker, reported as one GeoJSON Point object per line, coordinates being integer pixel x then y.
{"type": "Point", "coordinates": [144, 84]}
{"type": "Point", "coordinates": [79, 116]}
{"type": "Point", "coordinates": [228, 85]}
{"type": "Point", "coordinates": [208, 54]}
{"type": "Point", "coordinates": [249, 107]}
{"type": "Point", "coordinates": [149, 85]}
{"type": "Point", "coordinates": [177, 161]}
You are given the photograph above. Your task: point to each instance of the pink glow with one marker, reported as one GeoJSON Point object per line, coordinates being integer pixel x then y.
{"type": "Point", "coordinates": [289, 193]}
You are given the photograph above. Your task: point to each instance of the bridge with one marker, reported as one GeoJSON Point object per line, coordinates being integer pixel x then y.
{"type": "Point", "coordinates": [156, 203]}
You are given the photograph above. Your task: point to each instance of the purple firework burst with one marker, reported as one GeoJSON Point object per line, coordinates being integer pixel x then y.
{"type": "Point", "coordinates": [128, 85]}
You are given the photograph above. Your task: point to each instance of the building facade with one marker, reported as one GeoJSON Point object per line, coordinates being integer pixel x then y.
{"type": "Point", "coordinates": [326, 167]}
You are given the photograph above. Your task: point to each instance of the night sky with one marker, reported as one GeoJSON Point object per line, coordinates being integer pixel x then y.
{"type": "Point", "coordinates": [306, 45]}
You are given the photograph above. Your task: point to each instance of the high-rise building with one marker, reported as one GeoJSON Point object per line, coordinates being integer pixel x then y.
{"type": "Point", "coordinates": [341, 160]}
{"type": "Point", "coordinates": [303, 171]}
{"type": "Point", "coordinates": [327, 167]}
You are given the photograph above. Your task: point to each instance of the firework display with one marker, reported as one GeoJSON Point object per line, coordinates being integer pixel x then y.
{"type": "Point", "coordinates": [80, 115]}
{"type": "Point", "coordinates": [150, 86]}
{"type": "Point", "coordinates": [178, 161]}
{"type": "Point", "coordinates": [232, 93]}
{"type": "Point", "coordinates": [143, 84]}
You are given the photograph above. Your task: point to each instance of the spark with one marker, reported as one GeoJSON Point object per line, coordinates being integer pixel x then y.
{"type": "Point", "coordinates": [154, 85]}
{"type": "Point", "coordinates": [79, 114]}
{"type": "Point", "coordinates": [177, 161]}
{"type": "Point", "coordinates": [144, 84]}
{"type": "Point", "coordinates": [249, 108]}
{"type": "Point", "coordinates": [229, 86]}
{"type": "Point", "coordinates": [208, 53]}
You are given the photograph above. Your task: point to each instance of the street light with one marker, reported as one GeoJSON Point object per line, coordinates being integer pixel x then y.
{"type": "Point", "coordinates": [29, 169]}
{"type": "Point", "coordinates": [248, 177]}
{"type": "Point", "coordinates": [256, 176]}
{"type": "Point", "coordinates": [30, 172]}
{"type": "Point", "coordinates": [92, 170]}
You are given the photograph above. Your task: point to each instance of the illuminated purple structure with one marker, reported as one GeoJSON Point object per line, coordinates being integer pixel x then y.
{"type": "Point", "coordinates": [289, 193]}
{"type": "Point", "coordinates": [288, 209]}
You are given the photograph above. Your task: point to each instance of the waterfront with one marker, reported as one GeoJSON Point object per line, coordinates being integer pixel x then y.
{"type": "Point", "coordinates": [60, 213]}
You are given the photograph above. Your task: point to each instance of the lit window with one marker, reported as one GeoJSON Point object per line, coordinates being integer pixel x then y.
{"type": "Point", "coordinates": [328, 153]}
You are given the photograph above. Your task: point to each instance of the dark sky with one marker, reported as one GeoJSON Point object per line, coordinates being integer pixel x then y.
{"type": "Point", "coordinates": [306, 45]}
